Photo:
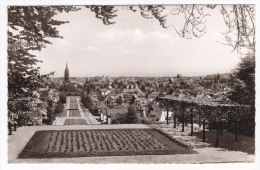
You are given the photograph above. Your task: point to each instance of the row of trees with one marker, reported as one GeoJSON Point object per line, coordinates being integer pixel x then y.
{"type": "Point", "coordinates": [55, 109]}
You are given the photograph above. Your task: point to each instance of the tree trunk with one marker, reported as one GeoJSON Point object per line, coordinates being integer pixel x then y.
{"type": "Point", "coordinates": [14, 126]}
{"type": "Point", "coordinates": [203, 132]}
{"type": "Point", "coordinates": [9, 129]}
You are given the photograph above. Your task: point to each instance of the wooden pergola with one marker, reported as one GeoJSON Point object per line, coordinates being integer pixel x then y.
{"type": "Point", "coordinates": [206, 110]}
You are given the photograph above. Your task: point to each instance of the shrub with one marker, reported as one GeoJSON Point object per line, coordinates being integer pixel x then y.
{"type": "Point", "coordinates": [59, 108]}
{"type": "Point", "coordinates": [131, 115]}
{"type": "Point", "coordinates": [145, 121]}
{"type": "Point", "coordinates": [62, 98]}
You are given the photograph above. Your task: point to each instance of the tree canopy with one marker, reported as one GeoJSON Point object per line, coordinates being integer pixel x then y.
{"type": "Point", "coordinates": [29, 28]}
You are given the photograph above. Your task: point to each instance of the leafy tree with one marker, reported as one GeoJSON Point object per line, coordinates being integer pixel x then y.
{"type": "Point", "coordinates": [131, 114]}
{"type": "Point", "coordinates": [50, 115]}
{"type": "Point", "coordinates": [243, 82]}
{"type": "Point", "coordinates": [170, 81]}
{"type": "Point", "coordinates": [87, 102]}
{"type": "Point", "coordinates": [171, 91]}
{"type": "Point", "coordinates": [150, 107]}
{"type": "Point", "coordinates": [143, 88]}
{"type": "Point", "coordinates": [120, 100]}
{"type": "Point", "coordinates": [182, 83]}
{"type": "Point", "coordinates": [58, 108]}
{"type": "Point", "coordinates": [28, 30]}
{"type": "Point", "coordinates": [50, 102]}
{"type": "Point", "coordinates": [132, 101]}
{"type": "Point", "coordinates": [217, 78]}
{"type": "Point", "coordinates": [62, 97]}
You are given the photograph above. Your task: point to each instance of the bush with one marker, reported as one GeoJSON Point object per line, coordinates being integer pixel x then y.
{"type": "Point", "coordinates": [115, 121]}
{"type": "Point", "coordinates": [62, 98]}
{"type": "Point", "coordinates": [50, 115]}
{"type": "Point", "coordinates": [131, 115]}
{"type": "Point", "coordinates": [145, 121]}
{"type": "Point", "coordinates": [59, 108]}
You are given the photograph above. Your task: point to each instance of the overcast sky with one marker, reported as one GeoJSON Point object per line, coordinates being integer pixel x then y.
{"type": "Point", "coordinates": [135, 46]}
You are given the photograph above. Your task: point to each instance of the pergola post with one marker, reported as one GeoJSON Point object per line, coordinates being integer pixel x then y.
{"type": "Point", "coordinates": [167, 115]}
{"type": "Point", "coordinates": [221, 128]}
{"type": "Point", "coordinates": [210, 124]}
{"type": "Point", "coordinates": [236, 130]}
{"type": "Point", "coordinates": [203, 132]}
{"type": "Point", "coordinates": [191, 122]}
{"type": "Point", "coordinates": [174, 120]}
{"type": "Point", "coordinates": [182, 120]}
{"type": "Point", "coordinates": [217, 136]}
{"type": "Point", "coordinates": [199, 120]}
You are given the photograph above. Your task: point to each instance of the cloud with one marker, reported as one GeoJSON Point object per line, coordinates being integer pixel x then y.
{"type": "Point", "coordinates": [135, 35]}
{"type": "Point", "coordinates": [159, 35]}
{"type": "Point", "coordinates": [91, 48]}
{"type": "Point", "coordinates": [112, 34]}
{"type": "Point", "coordinates": [116, 34]}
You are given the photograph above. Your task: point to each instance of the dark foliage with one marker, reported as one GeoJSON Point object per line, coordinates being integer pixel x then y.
{"type": "Point", "coordinates": [62, 97]}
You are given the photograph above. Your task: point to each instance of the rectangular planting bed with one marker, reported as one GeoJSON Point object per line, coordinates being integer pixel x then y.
{"type": "Point", "coordinates": [73, 100]}
{"type": "Point", "coordinates": [75, 122]}
{"type": "Point", "coordinates": [101, 142]}
{"type": "Point", "coordinates": [74, 113]}
{"type": "Point", "coordinates": [73, 106]}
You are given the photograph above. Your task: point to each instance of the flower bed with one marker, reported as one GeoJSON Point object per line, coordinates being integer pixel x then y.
{"type": "Point", "coordinates": [73, 100]}
{"type": "Point", "coordinates": [101, 142]}
{"type": "Point", "coordinates": [75, 122]}
{"type": "Point", "coordinates": [73, 106]}
{"type": "Point", "coordinates": [74, 113]}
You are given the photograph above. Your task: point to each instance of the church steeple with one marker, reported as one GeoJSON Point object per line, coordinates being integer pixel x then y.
{"type": "Point", "coordinates": [66, 73]}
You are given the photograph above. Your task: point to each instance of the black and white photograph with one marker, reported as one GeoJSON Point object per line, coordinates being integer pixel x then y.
{"type": "Point", "coordinates": [129, 83]}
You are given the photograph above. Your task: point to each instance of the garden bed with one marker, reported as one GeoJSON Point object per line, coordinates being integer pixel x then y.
{"type": "Point", "coordinates": [75, 122]}
{"type": "Point", "coordinates": [101, 142]}
{"type": "Point", "coordinates": [73, 100]}
{"type": "Point", "coordinates": [74, 113]}
{"type": "Point", "coordinates": [73, 106]}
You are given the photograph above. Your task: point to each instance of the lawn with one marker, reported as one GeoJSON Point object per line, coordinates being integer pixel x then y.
{"type": "Point", "coordinates": [73, 106]}
{"type": "Point", "coordinates": [101, 142]}
{"type": "Point", "coordinates": [227, 141]}
{"type": "Point", "coordinates": [73, 100]}
{"type": "Point", "coordinates": [75, 122]}
{"type": "Point", "coordinates": [74, 113]}
{"type": "Point", "coordinates": [63, 113]}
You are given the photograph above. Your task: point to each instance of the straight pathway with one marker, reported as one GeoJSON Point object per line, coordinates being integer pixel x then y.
{"type": "Point", "coordinates": [89, 117]}
{"type": "Point", "coordinates": [84, 114]}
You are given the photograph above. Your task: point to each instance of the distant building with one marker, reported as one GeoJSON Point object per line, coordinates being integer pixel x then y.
{"type": "Point", "coordinates": [66, 73]}
{"type": "Point", "coordinates": [179, 76]}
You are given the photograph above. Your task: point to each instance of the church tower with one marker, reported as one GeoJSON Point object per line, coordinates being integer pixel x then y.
{"type": "Point", "coordinates": [66, 73]}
